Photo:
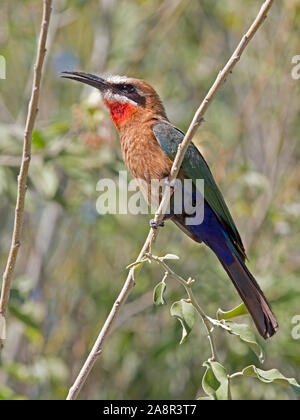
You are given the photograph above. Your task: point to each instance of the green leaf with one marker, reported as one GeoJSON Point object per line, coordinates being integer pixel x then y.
{"type": "Point", "coordinates": [209, 382]}
{"type": "Point", "coordinates": [58, 128]}
{"type": "Point", "coordinates": [185, 313]}
{"type": "Point", "coordinates": [215, 381]}
{"type": "Point", "coordinates": [23, 317]}
{"type": "Point", "coordinates": [245, 334]}
{"type": "Point", "coordinates": [19, 372]}
{"type": "Point", "coordinates": [136, 265]}
{"type": "Point", "coordinates": [38, 140]}
{"type": "Point", "coordinates": [158, 293]}
{"type": "Point", "coordinates": [240, 310]}
{"type": "Point", "coordinates": [269, 376]}
{"type": "Point", "coordinates": [8, 394]}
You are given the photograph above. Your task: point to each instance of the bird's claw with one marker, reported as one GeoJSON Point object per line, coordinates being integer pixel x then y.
{"type": "Point", "coordinates": [155, 225]}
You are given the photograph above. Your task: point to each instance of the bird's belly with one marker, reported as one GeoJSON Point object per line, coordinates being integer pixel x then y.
{"type": "Point", "coordinates": [147, 162]}
{"type": "Point", "coordinates": [149, 192]}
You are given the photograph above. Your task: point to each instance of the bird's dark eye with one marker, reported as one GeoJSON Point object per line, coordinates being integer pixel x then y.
{"type": "Point", "coordinates": [127, 88]}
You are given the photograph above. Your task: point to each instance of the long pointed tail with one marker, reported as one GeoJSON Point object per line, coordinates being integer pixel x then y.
{"type": "Point", "coordinates": [253, 298]}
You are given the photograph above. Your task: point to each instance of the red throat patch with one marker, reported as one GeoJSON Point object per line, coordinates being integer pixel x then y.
{"type": "Point", "coordinates": [120, 111]}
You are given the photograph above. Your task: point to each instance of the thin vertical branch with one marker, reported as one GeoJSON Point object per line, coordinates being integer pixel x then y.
{"type": "Point", "coordinates": [22, 178]}
{"type": "Point", "coordinates": [197, 120]}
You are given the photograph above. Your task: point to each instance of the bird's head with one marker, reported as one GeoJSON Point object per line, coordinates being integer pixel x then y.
{"type": "Point", "coordinates": [127, 98]}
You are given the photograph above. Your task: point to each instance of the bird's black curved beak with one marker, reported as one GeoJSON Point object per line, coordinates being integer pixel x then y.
{"type": "Point", "coordinates": [87, 78]}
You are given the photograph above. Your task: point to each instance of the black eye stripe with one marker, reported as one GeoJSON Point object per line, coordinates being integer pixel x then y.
{"type": "Point", "coordinates": [131, 92]}
{"type": "Point", "coordinates": [126, 87]}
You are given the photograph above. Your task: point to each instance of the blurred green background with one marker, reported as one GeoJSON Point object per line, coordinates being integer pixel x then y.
{"type": "Point", "coordinates": [72, 262]}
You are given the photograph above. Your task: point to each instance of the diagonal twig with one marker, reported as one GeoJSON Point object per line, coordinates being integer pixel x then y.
{"type": "Point", "coordinates": [22, 178]}
{"type": "Point", "coordinates": [197, 120]}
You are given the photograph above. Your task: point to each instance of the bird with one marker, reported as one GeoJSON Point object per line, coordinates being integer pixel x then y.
{"type": "Point", "coordinates": [149, 144]}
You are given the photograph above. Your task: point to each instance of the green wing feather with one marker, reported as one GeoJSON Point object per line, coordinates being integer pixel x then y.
{"type": "Point", "coordinates": [195, 167]}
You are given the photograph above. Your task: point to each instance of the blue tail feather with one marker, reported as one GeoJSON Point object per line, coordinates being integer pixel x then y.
{"type": "Point", "coordinates": [214, 235]}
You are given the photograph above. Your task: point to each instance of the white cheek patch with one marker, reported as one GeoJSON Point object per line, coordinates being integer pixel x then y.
{"type": "Point", "coordinates": [115, 97]}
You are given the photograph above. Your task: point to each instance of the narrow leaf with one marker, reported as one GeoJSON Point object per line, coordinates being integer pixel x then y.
{"type": "Point", "coordinates": [240, 310]}
{"type": "Point", "coordinates": [170, 257]}
{"type": "Point", "coordinates": [136, 264]}
{"type": "Point", "coordinates": [158, 294]}
{"type": "Point", "coordinates": [27, 319]}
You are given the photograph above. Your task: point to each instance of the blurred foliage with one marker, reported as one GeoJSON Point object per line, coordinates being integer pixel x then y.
{"type": "Point", "coordinates": [72, 262]}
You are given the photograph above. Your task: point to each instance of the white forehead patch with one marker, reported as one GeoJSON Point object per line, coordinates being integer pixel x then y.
{"type": "Point", "coordinates": [116, 97]}
{"type": "Point", "coordinates": [117, 79]}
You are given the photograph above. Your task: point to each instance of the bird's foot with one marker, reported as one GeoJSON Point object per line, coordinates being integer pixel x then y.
{"type": "Point", "coordinates": [155, 225]}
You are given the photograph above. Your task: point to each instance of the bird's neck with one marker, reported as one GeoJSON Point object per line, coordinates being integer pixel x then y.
{"type": "Point", "coordinates": [120, 112]}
